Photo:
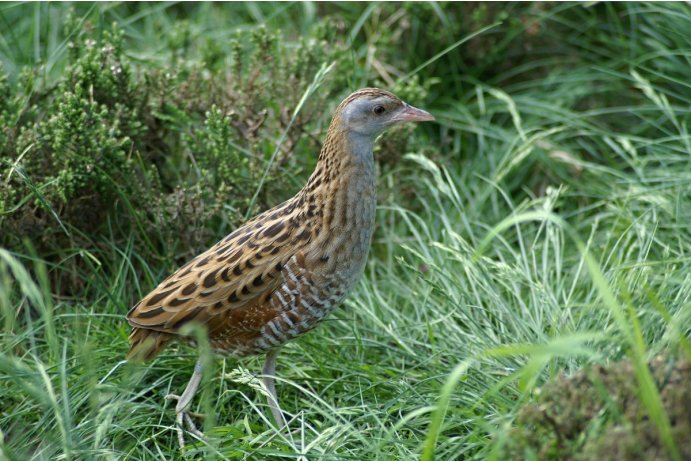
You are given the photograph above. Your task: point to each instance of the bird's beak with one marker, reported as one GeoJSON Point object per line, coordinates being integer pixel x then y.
{"type": "Point", "coordinates": [412, 114]}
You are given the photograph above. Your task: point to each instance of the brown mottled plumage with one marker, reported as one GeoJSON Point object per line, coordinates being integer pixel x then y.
{"type": "Point", "coordinates": [280, 274]}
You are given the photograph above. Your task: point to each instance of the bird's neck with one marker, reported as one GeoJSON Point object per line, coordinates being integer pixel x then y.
{"type": "Point", "coordinates": [343, 184]}
{"type": "Point", "coordinates": [339, 202]}
{"type": "Point", "coordinates": [346, 159]}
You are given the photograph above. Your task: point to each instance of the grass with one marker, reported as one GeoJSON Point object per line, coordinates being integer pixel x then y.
{"type": "Point", "coordinates": [540, 227]}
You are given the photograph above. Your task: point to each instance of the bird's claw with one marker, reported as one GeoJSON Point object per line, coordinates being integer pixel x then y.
{"type": "Point", "coordinates": [183, 416]}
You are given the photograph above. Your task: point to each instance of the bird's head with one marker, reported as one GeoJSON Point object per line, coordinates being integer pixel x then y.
{"type": "Point", "coordinates": [370, 111]}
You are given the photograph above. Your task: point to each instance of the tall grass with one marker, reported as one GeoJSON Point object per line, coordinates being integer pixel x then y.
{"type": "Point", "coordinates": [541, 225]}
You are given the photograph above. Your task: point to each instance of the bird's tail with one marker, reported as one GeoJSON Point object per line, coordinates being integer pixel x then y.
{"type": "Point", "coordinates": [146, 344]}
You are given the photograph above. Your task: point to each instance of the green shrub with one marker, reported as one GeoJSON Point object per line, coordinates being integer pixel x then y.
{"type": "Point", "coordinates": [172, 153]}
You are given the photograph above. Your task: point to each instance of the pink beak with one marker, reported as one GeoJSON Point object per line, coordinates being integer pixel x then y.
{"type": "Point", "coordinates": [412, 114]}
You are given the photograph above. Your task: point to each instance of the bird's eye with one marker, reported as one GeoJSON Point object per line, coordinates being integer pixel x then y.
{"type": "Point", "coordinates": [379, 110]}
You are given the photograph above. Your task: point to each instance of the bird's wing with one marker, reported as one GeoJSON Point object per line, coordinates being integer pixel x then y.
{"type": "Point", "coordinates": [244, 268]}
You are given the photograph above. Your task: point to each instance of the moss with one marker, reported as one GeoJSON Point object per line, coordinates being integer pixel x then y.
{"type": "Point", "coordinates": [597, 414]}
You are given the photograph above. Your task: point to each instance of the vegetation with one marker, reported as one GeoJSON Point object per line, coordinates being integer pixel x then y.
{"type": "Point", "coordinates": [532, 250]}
{"type": "Point", "coordinates": [556, 426]}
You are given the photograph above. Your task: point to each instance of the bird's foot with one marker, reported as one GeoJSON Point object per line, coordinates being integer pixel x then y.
{"type": "Point", "coordinates": [184, 416]}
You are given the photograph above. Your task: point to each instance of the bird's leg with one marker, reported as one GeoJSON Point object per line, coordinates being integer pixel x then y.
{"type": "Point", "coordinates": [184, 401]}
{"type": "Point", "coordinates": [269, 371]}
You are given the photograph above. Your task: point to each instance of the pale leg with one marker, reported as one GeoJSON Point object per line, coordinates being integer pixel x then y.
{"type": "Point", "coordinates": [269, 372]}
{"type": "Point", "coordinates": [184, 401]}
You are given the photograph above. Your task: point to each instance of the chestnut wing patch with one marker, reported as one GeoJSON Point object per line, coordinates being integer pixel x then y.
{"type": "Point", "coordinates": [230, 275]}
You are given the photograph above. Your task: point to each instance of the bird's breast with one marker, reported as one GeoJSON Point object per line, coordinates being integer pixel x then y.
{"type": "Point", "coordinates": [347, 223]}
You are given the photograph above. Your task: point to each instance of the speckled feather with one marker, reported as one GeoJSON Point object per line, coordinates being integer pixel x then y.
{"type": "Point", "coordinates": [281, 273]}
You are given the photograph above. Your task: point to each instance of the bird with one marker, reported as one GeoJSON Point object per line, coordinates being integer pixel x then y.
{"type": "Point", "coordinates": [281, 273]}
